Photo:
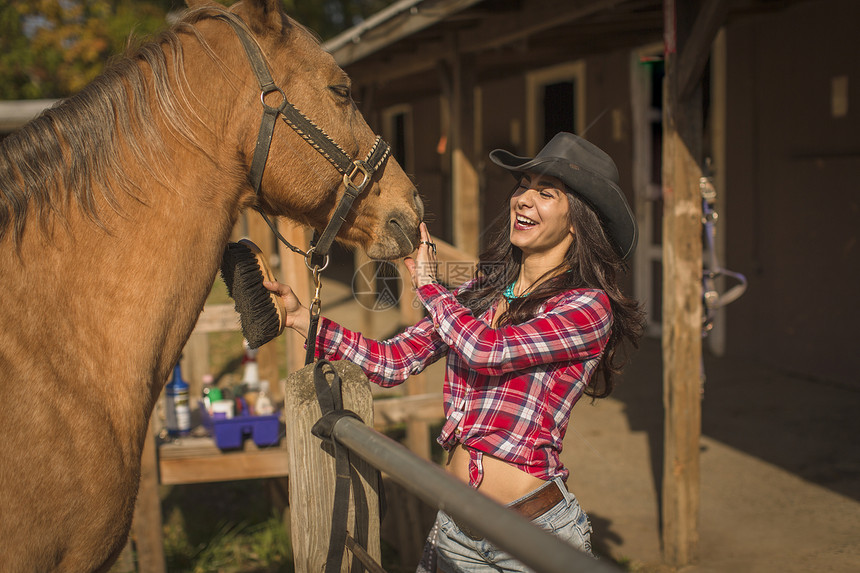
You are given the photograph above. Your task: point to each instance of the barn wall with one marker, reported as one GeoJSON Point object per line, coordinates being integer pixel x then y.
{"type": "Point", "coordinates": [792, 199]}
{"type": "Point", "coordinates": [790, 220]}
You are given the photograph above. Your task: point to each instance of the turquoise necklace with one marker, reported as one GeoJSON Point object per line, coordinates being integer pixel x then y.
{"type": "Point", "coordinates": [509, 292]}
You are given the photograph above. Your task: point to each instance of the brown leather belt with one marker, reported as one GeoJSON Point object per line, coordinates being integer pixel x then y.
{"type": "Point", "coordinates": [531, 507]}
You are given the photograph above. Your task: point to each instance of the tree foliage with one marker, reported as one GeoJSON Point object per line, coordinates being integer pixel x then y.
{"type": "Point", "coordinates": [52, 48]}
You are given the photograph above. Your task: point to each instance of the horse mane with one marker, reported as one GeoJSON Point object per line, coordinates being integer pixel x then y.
{"type": "Point", "coordinates": [76, 146]}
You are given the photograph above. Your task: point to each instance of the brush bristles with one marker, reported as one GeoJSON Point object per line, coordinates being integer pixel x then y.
{"type": "Point", "coordinates": [244, 279]}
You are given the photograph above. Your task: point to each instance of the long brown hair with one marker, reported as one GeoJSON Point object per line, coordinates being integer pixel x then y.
{"type": "Point", "coordinates": [590, 262]}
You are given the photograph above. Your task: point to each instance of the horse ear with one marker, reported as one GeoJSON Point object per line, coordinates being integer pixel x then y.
{"type": "Point", "coordinates": [265, 14]}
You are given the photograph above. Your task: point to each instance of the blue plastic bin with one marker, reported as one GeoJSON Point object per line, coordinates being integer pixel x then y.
{"type": "Point", "coordinates": [231, 433]}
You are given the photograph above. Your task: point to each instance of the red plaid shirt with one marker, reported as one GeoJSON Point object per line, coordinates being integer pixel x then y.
{"type": "Point", "coordinates": [508, 391]}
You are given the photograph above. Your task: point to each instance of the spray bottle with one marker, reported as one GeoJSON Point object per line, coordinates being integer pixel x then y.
{"type": "Point", "coordinates": [178, 410]}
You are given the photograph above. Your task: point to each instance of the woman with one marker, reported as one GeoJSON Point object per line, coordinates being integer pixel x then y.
{"type": "Point", "coordinates": [523, 340]}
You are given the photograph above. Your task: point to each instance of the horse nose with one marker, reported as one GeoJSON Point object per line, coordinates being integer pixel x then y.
{"type": "Point", "coordinates": [404, 230]}
{"type": "Point", "coordinates": [419, 204]}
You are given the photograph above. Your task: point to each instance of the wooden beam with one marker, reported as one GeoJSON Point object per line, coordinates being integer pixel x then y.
{"type": "Point", "coordinates": [535, 17]}
{"type": "Point", "coordinates": [16, 113]}
{"type": "Point", "coordinates": [682, 296]}
{"type": "Point", "coordinates": [360, 41]}
{"type": "Point", "coordinates": [493, 31]}
{"type": "Point", "coordinates": [147, 524]}
{"type": "Point", "coordinates": [465, 189]}
{"type": "Point", "coordinates": [198, 460]}
{"type": "Point", "coordinates": [421, 407]}
{"type": "Point", "coordinates": [697, 50]}
{"type": "Point", "coordinates": [218, 318]}
{"type": "Point", "coordinates": [396, 65]}
{"type": "Point", "coordinates": [456, 266]}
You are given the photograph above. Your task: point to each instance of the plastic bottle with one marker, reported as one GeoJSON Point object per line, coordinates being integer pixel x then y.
{"type": "Point", "coordinates": [264, 405]}
{"type": "Point", "coordinates": [250, 377]}
{"type": "Point", "coordinates": [178, 410]}
{"type": "Point", "coordinates": [250, 374]}
{"type": "Point", "coordinates": [208, 381]}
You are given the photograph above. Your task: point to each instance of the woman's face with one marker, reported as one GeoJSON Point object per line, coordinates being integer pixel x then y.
{"type": "Point", "coordinates": [540, 223]}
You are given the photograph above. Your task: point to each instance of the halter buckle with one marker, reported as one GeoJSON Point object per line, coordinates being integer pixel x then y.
{"type": "Point", "coordinates": [361, 167]}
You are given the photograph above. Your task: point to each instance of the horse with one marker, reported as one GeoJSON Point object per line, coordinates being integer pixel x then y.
{"type": "Point", "coordinates": [115, 209]}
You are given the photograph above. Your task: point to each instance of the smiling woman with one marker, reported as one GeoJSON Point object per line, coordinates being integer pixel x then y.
{"type": "Point", "coordinates": [537, 327]}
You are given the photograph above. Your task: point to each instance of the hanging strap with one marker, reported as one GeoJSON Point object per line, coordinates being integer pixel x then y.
{"type": "Point", "coordinates": [331, 404]}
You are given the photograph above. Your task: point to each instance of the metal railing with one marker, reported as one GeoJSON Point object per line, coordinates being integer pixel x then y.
{"type": "Point", "coordinates": [503, 527]}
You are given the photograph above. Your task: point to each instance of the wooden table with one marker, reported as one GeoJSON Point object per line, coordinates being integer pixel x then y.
{"type": "Point", "coordinates": [191, 460]}
{"type": "Point", "coordinates": [198, 460]}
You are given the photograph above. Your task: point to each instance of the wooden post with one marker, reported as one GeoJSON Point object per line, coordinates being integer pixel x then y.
{"type": "Point", "coordinates": [464, 177]}
{"type": "Point", "coordinates": [312, 472]}
{"type": "Point", "coordinates": [417, 431]}
{"type": "Point", "coordinates": [269, 356]}
{"type": "Point", "coordinates": [689, 30]}
{"type": "Point", "coordinates": [365, 289]}
{"type": "Point", "coordinates": [195, 364]}
{"type": "Point", "coordinates": [295, 273]}
{"type": "Point", "coordinates": [146, 526]}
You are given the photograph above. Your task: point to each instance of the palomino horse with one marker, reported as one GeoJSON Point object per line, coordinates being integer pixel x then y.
{"type": "Point", "coordinates": [115, 208]}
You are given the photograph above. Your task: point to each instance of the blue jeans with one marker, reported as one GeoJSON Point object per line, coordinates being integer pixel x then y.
{"type": "Point", "coordinates": [459, 553]}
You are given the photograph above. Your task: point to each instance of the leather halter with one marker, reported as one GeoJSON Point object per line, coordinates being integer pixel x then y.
{"type": "Point", "coordinates": [356, 173]}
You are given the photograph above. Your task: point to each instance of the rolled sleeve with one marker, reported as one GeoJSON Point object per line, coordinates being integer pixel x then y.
{"type": "Point", "coordinates": [576, 327]}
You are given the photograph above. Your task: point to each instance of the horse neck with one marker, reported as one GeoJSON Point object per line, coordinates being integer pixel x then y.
{"type": "Point", "coordinates": [175, 238]}
{"type": "Point", "coordinates": [122, 297]}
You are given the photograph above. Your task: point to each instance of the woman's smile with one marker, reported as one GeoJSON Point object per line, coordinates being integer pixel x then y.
{"type": "Point", "coordinates": [540, 220]}
{"type": "Point", "coordinates": [522, 223]}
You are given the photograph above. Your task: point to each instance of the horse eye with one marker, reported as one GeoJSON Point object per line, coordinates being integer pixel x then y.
{"type": "Point", "coordinates": [340, 91]}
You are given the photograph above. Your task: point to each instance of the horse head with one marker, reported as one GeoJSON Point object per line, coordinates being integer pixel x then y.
{"type": "Point", "coordinates": [299, 180]}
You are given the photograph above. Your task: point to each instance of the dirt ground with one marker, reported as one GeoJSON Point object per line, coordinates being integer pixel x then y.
{"type": "Point", "coordinates": [780, 470]}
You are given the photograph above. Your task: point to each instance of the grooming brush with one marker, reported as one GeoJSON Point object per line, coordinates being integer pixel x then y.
{"type": "Point", "coordinates": [261, 311]}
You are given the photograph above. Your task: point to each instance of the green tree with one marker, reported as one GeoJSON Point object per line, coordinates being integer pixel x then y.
{"type": "Point", "coordinates": [52, 48]}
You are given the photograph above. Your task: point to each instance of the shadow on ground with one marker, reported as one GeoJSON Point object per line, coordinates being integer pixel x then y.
{"type": "Point", "coordinates": [805, 426]}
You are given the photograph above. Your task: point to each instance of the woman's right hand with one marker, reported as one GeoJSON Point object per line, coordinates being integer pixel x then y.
{"type": "Point", "coordinates": [296, 313]}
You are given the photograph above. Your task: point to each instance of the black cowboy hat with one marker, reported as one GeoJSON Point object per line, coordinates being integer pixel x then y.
{"type": "Point", "coordinates": [590, 174]}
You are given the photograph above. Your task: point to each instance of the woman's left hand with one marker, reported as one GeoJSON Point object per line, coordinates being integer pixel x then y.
{"type": "Point", "coordinates": [423, 266]}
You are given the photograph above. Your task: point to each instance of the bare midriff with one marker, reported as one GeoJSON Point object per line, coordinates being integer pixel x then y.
{"type": "Point", "coordinates": [502, 482]}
